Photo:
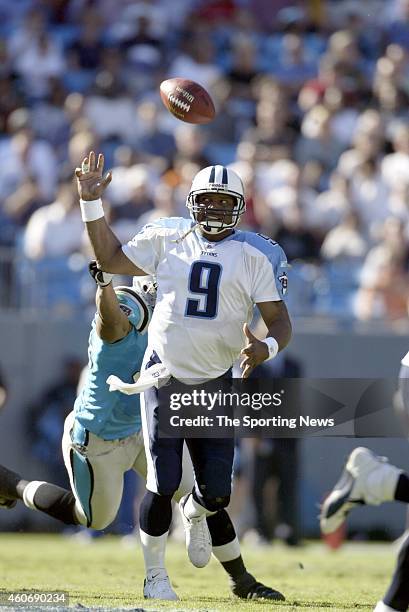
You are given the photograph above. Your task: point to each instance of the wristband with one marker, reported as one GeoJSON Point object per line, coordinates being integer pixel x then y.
{"type": "Point", "coordinates": [92, 210]}
{"type": "Point", "coordinates": [272, 346]}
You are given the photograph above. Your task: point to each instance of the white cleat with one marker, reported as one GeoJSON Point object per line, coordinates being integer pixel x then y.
{"type": "Point", "coordinates": [381, 607]}
{"type": "Point", "coordinates": [366, 479]}
{"type": "Point", "coordinates": [198, 540]}
{"type": "Point", "coordinates": [157, 586]}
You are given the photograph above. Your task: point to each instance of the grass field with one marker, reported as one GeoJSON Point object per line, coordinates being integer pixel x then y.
{"type": "Point", "coordinates": [107, 574]}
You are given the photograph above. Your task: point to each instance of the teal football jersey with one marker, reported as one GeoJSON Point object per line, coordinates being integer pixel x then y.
{"type": "Point", "coordinates": [108, 414]}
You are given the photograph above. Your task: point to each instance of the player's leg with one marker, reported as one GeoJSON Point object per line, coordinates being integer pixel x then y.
{"type": "Point", "coordinates": [226, 549]}
{"type": "Point", "coordinates": [38, 495]}
{"type": "Point", "coordinates": [397, 596]}
{"type": "Point", "coordinates": [164, 471]}
{"type": "Point", "coordinates": [242, 583]}
{"type": "Point", "coordinates": [96, 470]}
{"type": "Point", "coordinates": [213, 466]}
{"type": "Point", "coordinates": [225, 544]}
{"type": "Point", "coordinates": [366, 479]}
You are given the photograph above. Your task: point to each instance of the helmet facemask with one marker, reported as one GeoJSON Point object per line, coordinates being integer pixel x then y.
{"type": "Point", "coordinates": [216, 180]}
{"type": "Point", "coordinates": [227, 218]}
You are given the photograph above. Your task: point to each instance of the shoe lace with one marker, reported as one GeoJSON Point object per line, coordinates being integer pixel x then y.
{"type": "Point", "coordinates": [158, 579]}
{"type": "Point", "coordinates": [199, 523]}
{"type": "Point", "coordinates": [259, 590]}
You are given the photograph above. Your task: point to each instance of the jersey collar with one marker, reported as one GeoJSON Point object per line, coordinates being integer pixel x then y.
{"type": "Point", "coordinates": [209, 244]}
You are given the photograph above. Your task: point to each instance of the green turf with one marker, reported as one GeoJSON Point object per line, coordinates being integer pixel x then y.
{"type": "Point", "coordinates": [105, 573]}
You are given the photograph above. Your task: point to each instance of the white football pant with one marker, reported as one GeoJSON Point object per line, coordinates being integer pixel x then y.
{"type": "Point", "coordinates": [96, 472]}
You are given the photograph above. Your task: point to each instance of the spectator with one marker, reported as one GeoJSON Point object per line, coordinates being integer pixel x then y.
{"type": "Point", "coordinates": [151, 138]}
{"type": "Point", "coordinates": [109, 110]}
{"type": "Point", "coordinates": [395, 166]}
{"type": "Point", "coordinates": [369, 194]}
{"type": "Point", "coordinates": [294, 68]}
{"type": "Point", "coordinates": [197, 63]}
{"type": "Point", "coordinates": [49, 119]}
{"type": "Point", "coordinates": [368, 144]}
{"type": "Point", "coordinates": [23, 157]}
{"type": "Point", "coordinates": [243, 66]}
{"type": "Point", "coordinates": [317, 141]}
{"type": "Point", "coordinates": [345, 242]}
{"type": "Point", "coordinates": [398, 31]}
{"type": "Point", "coordinates": [273, 134]}
{"type": "Point", "coordinates": [297, 240]}
{"type": "Point", "coordinates": [383, 293]}
{"type": "Point", "coordinates": [86, 51]}
{"type": "Point", "coordinates": [56, 229]}
{"type": "Point", "coordinates": [39, 62]}
{"type": "Point", "coordinates": [331, 206]}
{"type": "Point", "coordinates": [164, 205]}
{"type": "Point", "coordinates": [312, 109]}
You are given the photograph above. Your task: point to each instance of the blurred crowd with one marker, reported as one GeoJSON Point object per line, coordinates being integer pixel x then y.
{"type": "Point", "coordinates": [312, 112]}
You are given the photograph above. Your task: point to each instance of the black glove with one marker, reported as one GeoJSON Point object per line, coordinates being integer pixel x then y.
{"type": "Point", "coordinates": [100, 277]}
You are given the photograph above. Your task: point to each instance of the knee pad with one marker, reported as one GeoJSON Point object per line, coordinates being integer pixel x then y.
{"type": "Point", "coordinates": [214, 488]}
{"type": "Point", "coordinates": [155, 513]}
{"type": "Point", "coordinates": [212, 503]}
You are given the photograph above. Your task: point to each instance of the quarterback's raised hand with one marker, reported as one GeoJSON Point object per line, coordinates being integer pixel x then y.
{"type": "Point", "coordinates": [255, 352]}
{"type": "Point", "coordinates": [91, 182]}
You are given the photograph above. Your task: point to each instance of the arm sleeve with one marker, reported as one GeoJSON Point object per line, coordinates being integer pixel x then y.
{"type": "Point", "coordinates": [270, 279]}
{"type": "Point", "coordinates": [146, 248]}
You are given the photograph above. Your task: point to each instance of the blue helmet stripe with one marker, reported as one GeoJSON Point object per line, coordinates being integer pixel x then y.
{"type": "Point", "coordinates": [212, 177]}
{"type": "Point", "coordinates": [224, 176]}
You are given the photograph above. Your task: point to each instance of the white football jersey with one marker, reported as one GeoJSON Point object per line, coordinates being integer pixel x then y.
{"type": "Point", "coordinates": [405, 360]}
{"type": "Point", "coordinates": [206, 292]}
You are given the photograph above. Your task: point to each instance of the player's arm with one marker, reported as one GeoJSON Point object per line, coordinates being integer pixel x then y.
{"type": "Point", "coordinates": [91, 185]}
{"type": "Point", "coordinates": [112, 324]}
{"type": "Point", "coordinates": [276, 318]}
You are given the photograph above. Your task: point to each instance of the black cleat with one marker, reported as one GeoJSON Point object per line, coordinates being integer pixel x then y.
{"type": "Point", "coordinates": [249, 588]}
{"type": "Point", "coordinates": [261, 591]}
{"type": "Point", "coordinates": [8, 487]}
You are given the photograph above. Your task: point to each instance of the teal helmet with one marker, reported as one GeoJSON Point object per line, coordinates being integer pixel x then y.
{"type": "Point", "coordinates": [137, 303]}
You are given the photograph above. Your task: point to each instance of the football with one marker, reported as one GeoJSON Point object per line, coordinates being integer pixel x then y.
{"type": "Point", "coordinates": [187, 100]}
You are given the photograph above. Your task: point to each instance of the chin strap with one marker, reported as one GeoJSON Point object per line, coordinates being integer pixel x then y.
{"type": "Point", "coordinates": [192, 229]}
{"type": "Point", "coordinates": [179, 240]}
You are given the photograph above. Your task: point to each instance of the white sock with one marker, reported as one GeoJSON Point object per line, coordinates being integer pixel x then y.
{"type": "Point", "coordinates": [381, 483]}
{"type": "Point", "coordinates": [227, 552]}
{"type": "Point", "coordinates": [192, 509]}
{"type": "Point", "coordinates": [154, 548]}
{"type": "Point", "coordinates": [30, 491]}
